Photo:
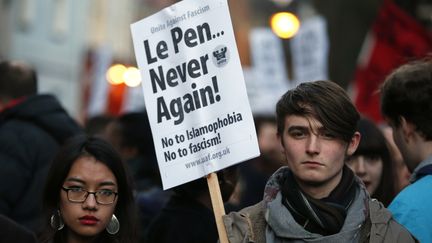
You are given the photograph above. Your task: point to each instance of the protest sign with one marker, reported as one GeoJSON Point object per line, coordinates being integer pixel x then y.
{"type": "Point", "coordinates": [194, 90]}
{"type": "Point", "coordinates": [309, 48]}
{"type": "Point", "coordinates": [268, 80]}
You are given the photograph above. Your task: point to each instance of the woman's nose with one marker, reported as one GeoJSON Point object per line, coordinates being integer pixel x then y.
{"type": "Point", "coordinates": [90, 201]}
{"type": "Point", "coordinates": [360, 167]}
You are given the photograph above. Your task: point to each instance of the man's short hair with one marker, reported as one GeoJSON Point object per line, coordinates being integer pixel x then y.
{"type": "Point", "coordinates": [323, 100]}
{"type": "Point", "coordinates": [407, 92]}
{"type": "Point", "coordinates": [16, 80]}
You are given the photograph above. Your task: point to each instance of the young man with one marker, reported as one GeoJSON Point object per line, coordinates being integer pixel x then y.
{"type": "Point", "coordinates": [406, 104]}
{"type": "Point", "coordinates": [316, 197]}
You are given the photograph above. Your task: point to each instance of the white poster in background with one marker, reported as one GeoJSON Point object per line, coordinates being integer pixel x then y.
{"type": "Point", "coordinates": [267, 81]}
{"type": "Point", "coordinates": [194, 90]}
{"type": "Point", "coordinates": [99, 88]}
{"type": "Point", "coordinates": [133, 100]}
{"type": "Point", "coordinates": [309, 48]}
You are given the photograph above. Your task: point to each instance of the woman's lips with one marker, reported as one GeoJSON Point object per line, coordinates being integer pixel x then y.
{"type": "Point", "coordinates": [88, 220]}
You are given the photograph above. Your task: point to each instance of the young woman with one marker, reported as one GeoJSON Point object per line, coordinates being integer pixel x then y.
{"type": "Point", "coordinates": [372, 163]}
{"type": "Point", "coordinates": [88, 195]}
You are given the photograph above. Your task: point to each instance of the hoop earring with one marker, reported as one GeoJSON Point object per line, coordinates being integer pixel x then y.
{"type": "Point", "coordinates": [113, 226]}
{"type": "Point", "coordinates": [57, 221]}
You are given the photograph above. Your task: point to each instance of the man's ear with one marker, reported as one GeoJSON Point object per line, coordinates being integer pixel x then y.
{"type": "Point", "coordinates": [353, 144]}
{"type": "Point", "coordinates": [408, 129]}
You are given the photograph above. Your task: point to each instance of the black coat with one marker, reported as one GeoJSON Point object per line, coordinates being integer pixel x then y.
{"type": "Point", "coordinates": [13, 232]}
{"type": "Point", "coordinates": [183, 220]}
{"type": "Point", "coordinates": [30, 135]}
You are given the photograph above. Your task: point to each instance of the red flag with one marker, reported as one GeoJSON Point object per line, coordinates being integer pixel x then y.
{"type": "Point", "coordinates": [394, 39]}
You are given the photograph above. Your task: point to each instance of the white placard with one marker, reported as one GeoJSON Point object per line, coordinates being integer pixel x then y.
{"type": "Point", "coordinates": [309, 48]}
{"type": "Point", "coordinates": [194, 90]}
{"type": "Point", "coordinates": [268, 80]}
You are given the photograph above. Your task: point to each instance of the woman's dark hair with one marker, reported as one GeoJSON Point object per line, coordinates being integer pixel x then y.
{"type": "Point", "coordinates": [374, 145]}
{"type": "Point", "coordinates": [103, 152]}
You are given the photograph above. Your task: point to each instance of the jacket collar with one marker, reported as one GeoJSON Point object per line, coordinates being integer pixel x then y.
{"type": "Point", "coordinates": [416, 175]}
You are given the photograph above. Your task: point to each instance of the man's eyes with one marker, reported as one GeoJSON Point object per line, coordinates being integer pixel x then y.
{"type": "Point", "coordinates": [327, 135]}
{"type": "Point", "coordinates": [301, 134]}
{"type": "Point", "coordinates": [297, 133]}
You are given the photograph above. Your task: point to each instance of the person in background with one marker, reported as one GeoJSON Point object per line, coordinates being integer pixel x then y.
{"type": "Point", "coordinates": [316, 197]}
{"type": "Point", "coordinates": [96, 125]}
{"type": "Point", "coordinates": [254, 173]}
{"type": "Point", "coordinates": [131, 135]}
{"type": "Point", "coordinates": [88, 195]}
{"type": "Point", "coordinates": [372, 163]}
{"type": "Point", "coordinates": [188, 216]}
{"type": "Point", "coordinates": [32, 127]}
{"type": "Point", "coordinates": [402, 173]}
{"type": "Point", "coordinates": [406, 104]}
{"type": "Point", "coordinates": [270, 147]}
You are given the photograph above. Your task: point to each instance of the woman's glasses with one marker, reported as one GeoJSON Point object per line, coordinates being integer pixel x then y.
{"type": "Point", "coordinates": [79, 195]}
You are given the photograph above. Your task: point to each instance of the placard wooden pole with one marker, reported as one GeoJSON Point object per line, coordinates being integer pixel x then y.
{"type": "Point", "coordinates": [218, 206]}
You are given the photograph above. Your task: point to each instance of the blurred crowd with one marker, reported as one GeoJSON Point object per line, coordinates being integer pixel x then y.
{"type": "Point", "coordinates": [99, 181]}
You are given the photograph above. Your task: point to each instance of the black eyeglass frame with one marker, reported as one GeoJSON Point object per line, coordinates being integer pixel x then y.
{"type": "Point", "coordinates": [87, 194]}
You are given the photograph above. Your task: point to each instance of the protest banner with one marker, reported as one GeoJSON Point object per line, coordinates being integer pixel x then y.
{"type": "Point", "coordinates": [194, 91]}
